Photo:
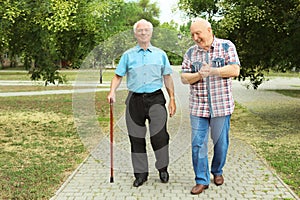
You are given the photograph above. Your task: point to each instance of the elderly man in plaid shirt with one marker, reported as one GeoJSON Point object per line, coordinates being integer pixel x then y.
{"type": "Point", "coordinates": [208, 67]}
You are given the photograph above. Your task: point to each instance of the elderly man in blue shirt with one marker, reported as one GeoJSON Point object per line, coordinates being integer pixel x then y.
{"type": "Point", "coordinates": [147, 68]}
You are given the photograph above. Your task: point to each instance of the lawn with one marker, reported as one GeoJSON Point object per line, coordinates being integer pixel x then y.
{"type": "Point", "coordinates": [273, 129]}
{"type": "Point", "coordinates": [274, 133]}
{"type": "Point", "coordinates": [39, 145]}
{"type": "Point", "coordinates": [71, 75]}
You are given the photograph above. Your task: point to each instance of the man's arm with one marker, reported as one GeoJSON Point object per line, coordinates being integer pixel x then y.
{"type": "Point", "coordinates": [115, 83]}
{"type": "Point", "coordinates": [169, 84]}
{"type": "Point", "coordinates": [226, 71]}
{"type": "Point", "coordinates": [190, 78]}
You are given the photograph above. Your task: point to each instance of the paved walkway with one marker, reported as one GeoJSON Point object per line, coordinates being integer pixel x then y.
{"type": "Point", "coordinates": [246, 175]}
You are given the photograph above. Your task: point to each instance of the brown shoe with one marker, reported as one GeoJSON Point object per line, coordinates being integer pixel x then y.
{"type": "Point", "coordinates": [218, 180]}
{"type": "Point", "coordinates": [197, 189]}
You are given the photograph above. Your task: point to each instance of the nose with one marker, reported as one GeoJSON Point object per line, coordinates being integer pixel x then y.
{"type": "Point", "coordinates": [195, 37]}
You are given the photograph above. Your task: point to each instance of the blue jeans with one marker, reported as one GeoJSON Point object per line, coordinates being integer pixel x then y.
{"type": "Point", "coordinates": [219, 127]}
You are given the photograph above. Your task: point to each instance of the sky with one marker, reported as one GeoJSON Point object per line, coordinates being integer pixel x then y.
{"type": "Point", "coordinates": [166, 14]}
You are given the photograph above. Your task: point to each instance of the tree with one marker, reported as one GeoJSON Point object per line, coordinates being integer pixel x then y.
{"type": "Point", "coordinates": [9, 12]}
{"type": "Point", "coordinates": [150, 11]}
{"type": "Point", "coordinates": [133, 11]}
{"type": "Point", "coordinates": [174, 39]}
{"type": "Point", "coordinates": [43, 32]}
{"type": "Point", "coordinates": [206, 8]}
{"type": "Point", "coordinates": [51, 33]}
{"type": "Point", "coordinates": [266, 33]}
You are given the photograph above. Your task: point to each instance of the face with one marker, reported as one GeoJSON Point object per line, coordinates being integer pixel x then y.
{"type": "Point", "coordinates": [143, 33]}
{"type": "Point", "coordinates": [201, 34]}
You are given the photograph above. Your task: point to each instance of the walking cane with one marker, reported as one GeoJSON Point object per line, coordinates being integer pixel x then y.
{"type": "Point", "coordinates": [111, 141]}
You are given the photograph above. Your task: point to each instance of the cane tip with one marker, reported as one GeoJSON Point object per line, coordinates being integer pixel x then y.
{"type": "Point", "coordinates": [111, 179]}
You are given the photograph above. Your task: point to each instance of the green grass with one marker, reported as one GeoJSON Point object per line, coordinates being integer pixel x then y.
{"type": "Point", "coordinates": [275, 135]}
{"type": "Point", "coordinates": [26, 88]}
{"type": "Point", "coordinates": [291, 93]}
{"type": "Point", "coordinates": [39, 144]}
{"type": "Point", "coordinates": [71, 75]}
{"type": "Point", "coordinates": [14, 75]}
{"type": "Point", "coordinates": [282, 74]}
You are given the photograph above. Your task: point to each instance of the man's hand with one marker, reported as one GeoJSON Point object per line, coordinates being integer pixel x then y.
{"type": "Point", "coordinates": [205, 70]}
{"type": "Point", "coordinates": [172, 107]}
{"type": "Point", "coordinates": [111, 98]}
{"type": "Point", "coordinates": [116, 81]}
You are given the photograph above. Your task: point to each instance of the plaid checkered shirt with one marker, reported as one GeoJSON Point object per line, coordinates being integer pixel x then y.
{"type": "Point", "coordinates": [212, 96]}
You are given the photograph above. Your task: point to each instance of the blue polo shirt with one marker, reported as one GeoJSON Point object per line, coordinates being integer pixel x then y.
{"type": "Point", "coordinates": [144, 68]}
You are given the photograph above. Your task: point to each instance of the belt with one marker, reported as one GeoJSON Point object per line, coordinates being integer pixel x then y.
{"type": "Point", "coordinates": [147, 94]}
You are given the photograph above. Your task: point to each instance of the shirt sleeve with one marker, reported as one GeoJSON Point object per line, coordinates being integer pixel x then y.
{"type": "Point", "coordinates": [121, 69]}
{"type": "Point", "coordinates": [232, 56]}
{"type": "Point", "coordinates": [167, 67]}
{"type": "Point", "coordinates": [186, 63]}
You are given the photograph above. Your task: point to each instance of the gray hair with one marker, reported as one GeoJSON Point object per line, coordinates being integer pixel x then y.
{"type": "Point", "coordinates": [142, 21]}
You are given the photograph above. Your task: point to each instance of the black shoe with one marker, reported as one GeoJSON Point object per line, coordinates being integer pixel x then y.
{"type": "Point", "coordinates": [164, 176]}
{"type": "Point", "coordinates": [139, 181]}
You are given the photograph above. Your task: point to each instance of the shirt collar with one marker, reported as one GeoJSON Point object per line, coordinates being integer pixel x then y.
{"type": "Point", "coordinates": [150, 48]}
{"type": "Point", "coordinates": [212, 45]}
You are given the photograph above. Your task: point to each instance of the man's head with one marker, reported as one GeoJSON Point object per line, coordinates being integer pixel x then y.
{"type": "Point", "coordinates": [143, 31]}
{"type": "Point", "coordinates": [201, 33]}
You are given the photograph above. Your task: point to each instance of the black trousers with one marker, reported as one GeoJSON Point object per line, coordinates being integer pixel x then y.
{"type": "Point", "coordinates": [151, 107]}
